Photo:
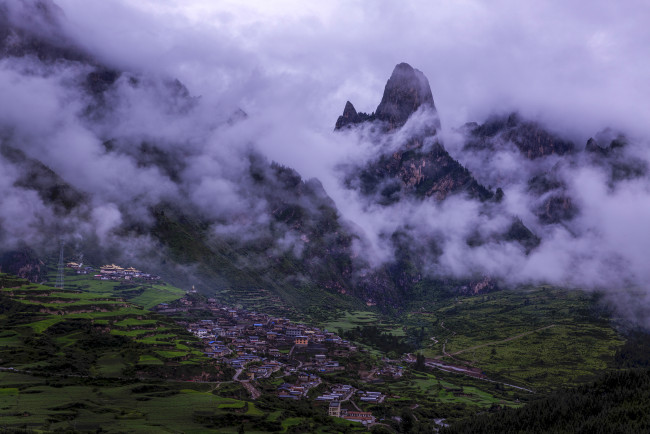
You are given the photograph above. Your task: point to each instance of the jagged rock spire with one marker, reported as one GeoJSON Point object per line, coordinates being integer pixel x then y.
{"type": "Point", "coordinates": [349, 116]}
{"type": "Point", "coordinates": [407, 90]}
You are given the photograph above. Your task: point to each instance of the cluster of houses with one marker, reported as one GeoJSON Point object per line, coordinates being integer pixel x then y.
{"type": "Point", "coordinates": [344, 392]}
{"type": "Point", "coordinates": [79, 267]}
{"type": "Point", "coordinates": [239, 338]}
{"type": "Point", "coordinates": [364, 417]}
{"type": "Point", "coordinates": [115, 272]}
{"type": "Point", "coordinates": [257, 334]}
{"type": "Point", "coordinates": [338, 393]}
{"type": "Point", "coordinates": [257, 345]}
{"type": "Point", "coordinates": [265, 370]}
{"type": "Point", "coordinates": [371, 397]}
{"type": "Point", "coordinates": [112, 272]}
{"type": "Point", "coordinates": [299, 390]}
{"type": "Point", "coordinates": [392, 371]}
{"type": "Point", "coordinates": [321, 363]}
{"type": "Point", "coordinates": [341, 393]}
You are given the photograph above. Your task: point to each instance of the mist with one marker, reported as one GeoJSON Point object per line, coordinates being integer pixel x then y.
{"type": "Point", "coordinates": [187, 69]}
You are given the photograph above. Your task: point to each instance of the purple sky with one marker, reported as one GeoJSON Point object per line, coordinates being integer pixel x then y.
{"type": "Point", "coordinates": [577, 65]}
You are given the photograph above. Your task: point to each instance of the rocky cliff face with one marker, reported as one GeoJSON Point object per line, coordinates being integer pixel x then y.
{"type": "Point", "coordinates": [421, 167]}
{"type": "Point", "coordinates": [433, 173]}
{"type": "Point", "coordinates": [23, 263]}
{"type": "Point", "coordinates": [529, 137]}
{"type": "Point", "coordinates": [349, 117]}
{"type": "Point", "coordinates": [406, 91]}
{"type": "Point", "coordinates": [607, 150]}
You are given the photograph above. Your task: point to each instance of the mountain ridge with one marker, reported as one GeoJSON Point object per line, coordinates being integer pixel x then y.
{"type": "Point", "coordinates": [241, 220]}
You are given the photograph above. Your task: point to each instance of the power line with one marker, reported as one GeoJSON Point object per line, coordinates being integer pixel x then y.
{"type": "Point", "coordinates": [59, 276]}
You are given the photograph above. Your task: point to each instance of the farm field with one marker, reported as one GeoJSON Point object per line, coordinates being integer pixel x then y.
{"type": "Point", "coordinates": [83, 359]}
{"type": "Point", "coordinates": [125, 368]}
{"type": "Point", "coordinates": [73, 332]}
{"type": "Point", "coordinates": [349, 320]}
{"type": "Point", "coordinates": [70, 404]}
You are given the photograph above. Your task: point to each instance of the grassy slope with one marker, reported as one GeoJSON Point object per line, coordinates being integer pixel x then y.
{"type": "Point", "coordinates": [67, 404]}
{"type": "Point", "coordinates": [618, 402]}
{"type": "Point", "coordinates": [62, 404]}
{"type": "Point", "coordinates": [90, 327]}
{"type": "Point", "coordinates": [146, 295]}
{"type": "Point", "coordinates": [77, 371]}
{"type": "Point", "coordinates": [221, 269]}
{"type": "Point", "coordinates": [539, 337]}
{"type": "Point", "coordinates": [578, 345]}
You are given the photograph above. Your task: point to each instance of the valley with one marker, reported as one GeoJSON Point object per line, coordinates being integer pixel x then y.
{"type": "Point", "coordinates": [122, 351]}
{"type": "Point", "coordinates": [195, 238]}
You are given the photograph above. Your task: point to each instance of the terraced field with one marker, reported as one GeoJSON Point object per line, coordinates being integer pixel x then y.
{"type": "Point", "coordinates": [91, 333]}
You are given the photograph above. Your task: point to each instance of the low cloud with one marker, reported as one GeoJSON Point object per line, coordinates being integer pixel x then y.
{"type": "Point", "coordinates": [148, 139]}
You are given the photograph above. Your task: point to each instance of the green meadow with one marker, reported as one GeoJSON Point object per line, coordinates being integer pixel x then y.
{"type": "Point", "coordinates": [538, 338]}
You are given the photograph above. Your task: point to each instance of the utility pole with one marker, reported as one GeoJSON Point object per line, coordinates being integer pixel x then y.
{"type": "Point", "coordinates": [61, 269]}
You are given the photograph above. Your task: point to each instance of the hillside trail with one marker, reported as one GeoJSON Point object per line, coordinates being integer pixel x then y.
{"type": "Point", "coordinates": [444, 344]}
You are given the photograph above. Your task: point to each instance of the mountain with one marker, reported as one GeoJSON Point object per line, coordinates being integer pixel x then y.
{"type": "Point", "coordinates": [140, 169]}
{"type": "Point", "coordinates": [450, 243]}
{"type": "Point", "coordinates": [34, 28]}
{"type": "Point", "coordinates": [529, 137]}
{"type": "Point", "coordinates": [287, 236]}
{"type": "Point", "coordinates": [420, 166]}
{"type": "Point", "coordinates": [282, 233]}
{"type": "Point", "coordinates": [608, 150]}
{"type": "Point", "coordinates": [406, 91]}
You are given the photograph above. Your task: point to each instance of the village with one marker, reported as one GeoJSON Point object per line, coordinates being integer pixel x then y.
{"type": "Point", "coordinates": [112, 272]}
{"type": "Point", "coordinates": [258, 346]}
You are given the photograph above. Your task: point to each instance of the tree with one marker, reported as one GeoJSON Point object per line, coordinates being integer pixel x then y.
{"type": "Point", "coordinates": [408, 421]}
{"type": "Point", "coordinates": [420, 362]}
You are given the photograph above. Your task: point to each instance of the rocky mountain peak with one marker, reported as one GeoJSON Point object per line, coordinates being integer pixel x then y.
{"type": "Point", "coordinates": [350, 116]}
{"type": "Point", "coordinates": [349, 111]}
{"type": "Point", "coordinates": [407, 90]}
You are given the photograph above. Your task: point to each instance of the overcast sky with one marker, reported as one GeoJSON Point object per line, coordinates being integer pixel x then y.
{"type": "Point", "coordinates": [582, 65]}
{"type": "Point", "coordinates": [292, 65]}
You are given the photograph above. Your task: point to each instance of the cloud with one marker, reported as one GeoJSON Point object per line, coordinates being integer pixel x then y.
{"type": "Point", "coordinates": [292, 67]}
{"type": "Point", "coordinates": [554, 58]}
